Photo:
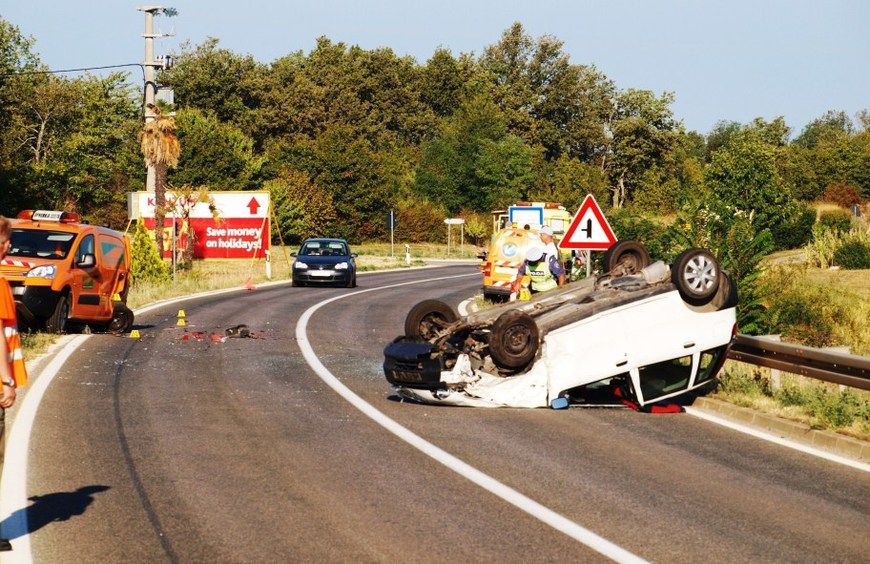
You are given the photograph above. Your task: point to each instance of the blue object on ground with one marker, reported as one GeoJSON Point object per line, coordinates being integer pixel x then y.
{"type": "Point", "coordinates": [559, 403]}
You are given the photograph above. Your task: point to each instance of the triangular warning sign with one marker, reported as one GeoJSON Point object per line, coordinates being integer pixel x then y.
{"type": "Point", "coordinates": [589, 229]}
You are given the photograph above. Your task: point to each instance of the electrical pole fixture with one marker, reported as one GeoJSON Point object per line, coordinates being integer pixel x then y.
{"type": "Point", "coordinates": [150, 64]}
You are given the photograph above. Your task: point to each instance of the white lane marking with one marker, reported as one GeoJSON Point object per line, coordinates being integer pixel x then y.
{"type": "Point", "coordinates": [13, 486]}
{"type": "Point", "coordinates": [515, 498]}
{"type": "Point", "coordinates": [777, 440]}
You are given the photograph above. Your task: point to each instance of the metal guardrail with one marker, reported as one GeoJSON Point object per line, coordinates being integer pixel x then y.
{"type": "Point", "coordinates": [838, 368]}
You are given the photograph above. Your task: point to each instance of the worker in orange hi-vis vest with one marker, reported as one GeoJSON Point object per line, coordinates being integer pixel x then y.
{"type": "Point", "coordinates": [12, 370]}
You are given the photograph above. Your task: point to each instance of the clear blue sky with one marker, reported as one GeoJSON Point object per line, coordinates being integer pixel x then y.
{"type": "Point", "coordinates": [724, 59]}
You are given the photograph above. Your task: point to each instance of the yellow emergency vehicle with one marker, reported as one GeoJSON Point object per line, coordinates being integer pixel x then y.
{"type": "Point", "coordinates": [514, 230]}
{"type": "Point", "coordinates": [62, 270]}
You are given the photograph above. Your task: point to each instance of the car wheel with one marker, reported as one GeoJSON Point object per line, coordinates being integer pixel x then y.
{"type": "Point", "coordinates": [696, 275]}
{"type": "Point", "coordinates": [351, 282]}
{"type": "Point", "coordinates": [57, 322]}
{"type": "Point", "coordinates": [427, 318]}
{"type": "Point", "coordinates": [122, 319]}
{"type": "Point", "coordinates": [626, 257]}
{"type": "Point", "coordinates": [513, 341]}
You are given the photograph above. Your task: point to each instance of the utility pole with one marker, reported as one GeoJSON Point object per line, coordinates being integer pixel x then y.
{"type": "Point", "coordinates": [151, 65]}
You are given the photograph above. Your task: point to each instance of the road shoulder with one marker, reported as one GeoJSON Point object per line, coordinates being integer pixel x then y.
{"type": "Point", "coordinates": [827, 441]}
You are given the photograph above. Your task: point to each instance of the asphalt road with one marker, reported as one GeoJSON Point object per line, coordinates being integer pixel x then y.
{"type": "Point", "coordinates": [162, 449]}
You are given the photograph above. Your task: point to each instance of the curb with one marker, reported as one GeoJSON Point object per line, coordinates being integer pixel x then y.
{"type": "Point", "coordinates": [828, 441]}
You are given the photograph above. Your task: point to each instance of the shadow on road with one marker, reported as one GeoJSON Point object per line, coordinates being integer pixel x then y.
{"type": "Point", "coordinates": [49, 508]}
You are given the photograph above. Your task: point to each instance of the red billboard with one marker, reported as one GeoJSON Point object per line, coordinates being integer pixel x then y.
{"type": "Point", "coordinates": [229, 225]}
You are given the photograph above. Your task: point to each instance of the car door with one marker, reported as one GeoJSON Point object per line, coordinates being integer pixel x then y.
{"type": "Point", "coordinates": [111, 260]}
{"type": "Point", "coordinates": [86, 281]}
{"type": "Point", "coordinates": [661, 380]}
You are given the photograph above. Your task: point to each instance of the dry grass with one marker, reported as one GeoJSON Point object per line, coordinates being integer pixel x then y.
{"type": "Point", "coordinates": [228, 273]}
{"type": "Point", "coordinates": [854, 281]}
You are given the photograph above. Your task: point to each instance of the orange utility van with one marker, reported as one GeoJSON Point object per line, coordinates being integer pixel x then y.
{"type": "Point", "coordinates": [64, 271]}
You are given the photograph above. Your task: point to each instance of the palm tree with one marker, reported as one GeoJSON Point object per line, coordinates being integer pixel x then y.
{"type": "Point", "coordinates": [161, 149]}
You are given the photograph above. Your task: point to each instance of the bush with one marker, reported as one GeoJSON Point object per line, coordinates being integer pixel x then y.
{"type": "Point", "coordinates": [302, 209]}
{"type": "Point", "coordinates": [796, 228]}
{"type": "Point", "coordinates": [743, 382]}
{"type": "Point", "coordinates": [853, 254]}
{"type": "Point", "coordinates": [820, 251]}
{"type": "Point", "coordinates": [477, 228]}
{"type": "Point", "coordinates": [842, 194]}
{"type": "Point", "coordinates": [803, 315]}
{"type": "Point", "coordinates": [628, 224]}
{"type": "Point", "coordinates": [812, 313]}
{"type": "Point", "coordinates": [839, 221]}
{"type": "Point", "coordinates": [147, 265]}
{"type": "Point", "coordinates": [832, 408]}
{"type": "Point", "coordinates": [420, 221]}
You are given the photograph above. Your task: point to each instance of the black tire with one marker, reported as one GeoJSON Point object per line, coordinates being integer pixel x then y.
{"type": "Point", "coordinates": [626, 257]}
{"type": "Point", "coordinates": [513, 341]}
{"type": "Point", "coordinates": [726, 295]}
{"type": "Point", "coordinates": [427, 318]}
{"type": "Point", "coordinates": [57, 321]}
{"type": "Point", "coordinates": [122, 319]}
{"type": "Point", "coordinates": [696, 275]}
{"type": "Point", "coordinates": [351, 282]}
{"type": "Point", "coordinates": [296, 284]}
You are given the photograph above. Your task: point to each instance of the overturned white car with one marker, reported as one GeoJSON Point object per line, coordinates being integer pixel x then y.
{"type": "Point", "coordinates": [651, 331]}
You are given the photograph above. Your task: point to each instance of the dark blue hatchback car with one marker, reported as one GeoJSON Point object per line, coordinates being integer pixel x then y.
{"type": "Point", "coordinates": [324, 261]}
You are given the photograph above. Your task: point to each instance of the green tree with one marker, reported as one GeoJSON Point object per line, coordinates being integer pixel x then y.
{"type": "Point", "coordinates": [568, 180]}
{"type": "Point", "coordinates": [744, 176]}
{"type": "Point", "coordinates": [301, 208]}
{"type": "Point", "coordinates": [215, 154]}
{"type": "Point", "coordinates": [644, 134]}
{"type": "Point", "coordinates": [830, 150]}
{"type": "Point", "coordinates": [547, 100]}
{"type": "Point", "coordinates": [829, 127]}
{"type": "Point", "coordinates": [475, 164]}
{"type": "Point", "coordinates": [721, 135]}
{"type": "Point", "coordinates": [361, 180]}
{"type": "Point", "coordinates": [445, 81]}
{"type": "Point", "coordinates": [217, 80]}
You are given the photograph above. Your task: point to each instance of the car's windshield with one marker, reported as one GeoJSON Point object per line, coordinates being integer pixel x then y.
{"type": "Point", "coordinates": [326, 249]}
{"type": "Point", "coordinates": [33, 243]}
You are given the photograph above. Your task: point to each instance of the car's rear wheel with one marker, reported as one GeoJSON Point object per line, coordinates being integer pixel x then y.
{"type": "Point", "coordinates": [696, 275]}
{"type": "Point", "coordinates": [626, 257]}
{"type": "Point", "coordinates": [122, 319]}
{"type": "Point", "coordinates": [513, 340]}
{"type": "Point", "coordinates": [427, 318]}
{"type": "Point", "coordinates": [59, 318]}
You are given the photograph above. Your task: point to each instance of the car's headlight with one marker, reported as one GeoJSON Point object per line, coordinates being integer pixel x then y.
{"type": "Point", "coordinates": [300, 265]}
{"type": "Point", "coordinates": [341, 266]}
{"type": "Point", "coordinates": [45, 271]}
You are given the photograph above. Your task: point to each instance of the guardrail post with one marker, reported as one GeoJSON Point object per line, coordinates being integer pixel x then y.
{"type": "Point", "coordinates": [775, 374]}
{"type": "Point", "coordinates": [845, 350]}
